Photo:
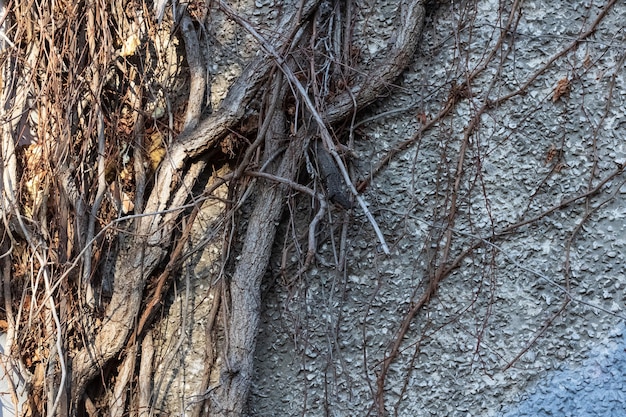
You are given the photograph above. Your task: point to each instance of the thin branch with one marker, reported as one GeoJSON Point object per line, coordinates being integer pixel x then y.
{"type": "Point", "coordinates": [198, 73]}
{"type": "Point", "coordinates": [312, 240]}
{"type": "Point", "coordinates": [102, 186]}
{"type": "Point", "coordinates": [117, 402]}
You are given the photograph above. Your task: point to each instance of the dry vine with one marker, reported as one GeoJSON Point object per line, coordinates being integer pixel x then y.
{"type": "Point", "coordinates": [111, 153]}
{"type": "Point", "coordinates": [92, 124]}
{"type": "Point", "coordinates": [443, 264]}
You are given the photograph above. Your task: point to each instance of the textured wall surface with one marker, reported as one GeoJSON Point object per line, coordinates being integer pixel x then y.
{"type": "Point", "coordinates": [530, 324]}
{"type": "Point", "coordinates": [595, 387]}
{"type": "Point", "coordinates": [531, 320]}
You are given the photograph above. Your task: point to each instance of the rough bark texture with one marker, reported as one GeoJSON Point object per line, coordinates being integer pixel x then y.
{"type": "Point", "coordinates": [229, 396]}
{"type": "Point", "coordinates": [153, 234]}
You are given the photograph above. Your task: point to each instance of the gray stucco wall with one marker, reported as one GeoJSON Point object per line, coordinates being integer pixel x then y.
{"type": "Point", "coordinates": [532, 322]}
{"type": "Point", "coordinates": [596, 387]}
{"type": "Point", "coordinates": [325, 335]}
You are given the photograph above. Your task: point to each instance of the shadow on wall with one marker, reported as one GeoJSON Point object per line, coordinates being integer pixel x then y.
{"type": "Point", "coordinates": [7, 408]}
{"type": "Point", "coordinates": [596, 388]}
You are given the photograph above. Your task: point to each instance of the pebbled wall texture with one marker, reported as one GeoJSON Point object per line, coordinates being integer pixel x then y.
{"type": "Point", "coordinates": [531, 320]}
{"type": "Point", "coordinates": [595, 387]}
{"type": "Point", "coordinates": [529, 324]}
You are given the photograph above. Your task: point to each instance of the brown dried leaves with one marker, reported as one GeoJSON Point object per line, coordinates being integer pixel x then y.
{"type": "Point", "coordinates": [562, 89]}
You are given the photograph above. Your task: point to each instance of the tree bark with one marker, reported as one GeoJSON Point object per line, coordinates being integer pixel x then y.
{"type": "Point", "coordinates": [229, 397]}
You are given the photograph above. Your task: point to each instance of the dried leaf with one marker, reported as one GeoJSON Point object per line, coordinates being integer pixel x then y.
{"type": "Point", "coordinates": [130, 45]}
{"type": "Point", "coordinates": [422, 117]}
{"type": "Point", "coordinates": [127, 203]}
{"type": "Point", "coordinates": [562, 89]}
{"type": "Point", "coordinates": [156, 150]}
{"type": "Point", "coordinates": [552, 153]}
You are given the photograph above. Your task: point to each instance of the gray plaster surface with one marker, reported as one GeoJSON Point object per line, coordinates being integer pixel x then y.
{"type": "Point", "coordinates": [597, 387]}
{"type": "Point", "coordinates": [512, 330]}
{"type": "Point", "coordinates": [530, 323]}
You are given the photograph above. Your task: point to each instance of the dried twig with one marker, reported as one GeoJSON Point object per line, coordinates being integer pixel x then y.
{"type": "Point", "coordinates": [316, 219]}
{"type": "Point", "coordinates": [117, 402]}
{"type": "Point", "coordinates": [198, 73]}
